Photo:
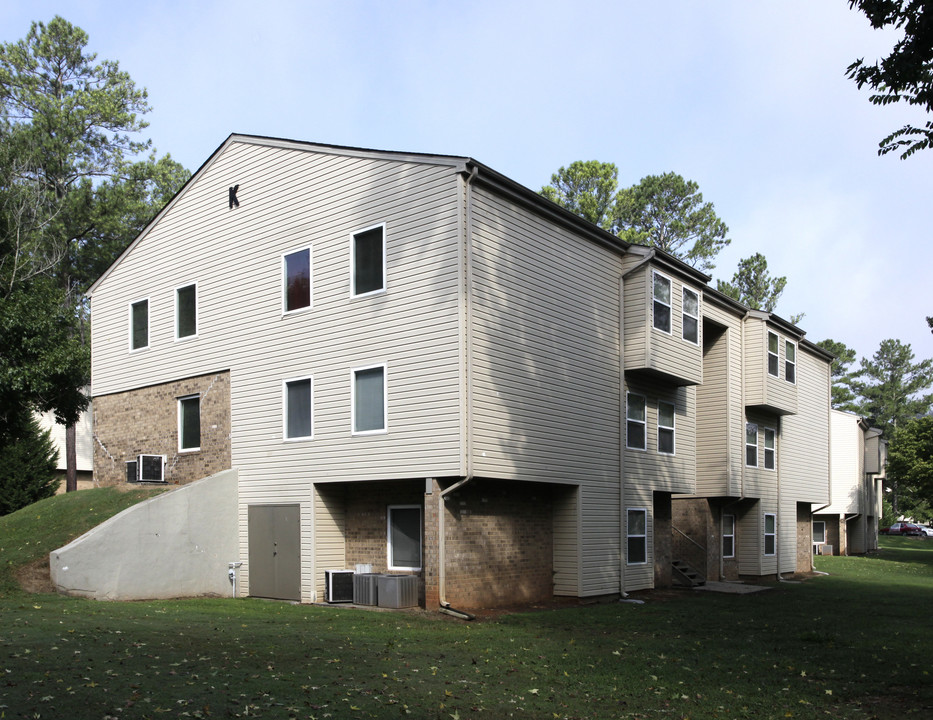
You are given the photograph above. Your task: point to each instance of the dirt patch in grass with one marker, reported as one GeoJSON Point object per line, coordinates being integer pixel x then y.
{"type": "Point", "coordinates": [35, 577]}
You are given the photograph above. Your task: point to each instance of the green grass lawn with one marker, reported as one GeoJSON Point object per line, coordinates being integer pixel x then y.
{"type": "Point", "coordinates": [852, 644]}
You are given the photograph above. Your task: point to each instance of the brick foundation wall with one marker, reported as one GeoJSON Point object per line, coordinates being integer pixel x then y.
{"type": "Point", "coordinates": [146, 421]}
{"type": "Point", "coordinates": [692, 517]}
{"type": "Point", "coordinates": [663, 543]}
{"type": "Point", "coordinates": [804, 538]}
{"type": "Point", "coordinates": [499, 544]}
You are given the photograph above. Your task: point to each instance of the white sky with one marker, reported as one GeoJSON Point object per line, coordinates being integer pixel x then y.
{"type": "Point", "coordinates": [749, 99]}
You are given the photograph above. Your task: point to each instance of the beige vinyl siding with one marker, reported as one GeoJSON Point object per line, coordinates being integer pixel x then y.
{"type": "Point", "coordinates": [646, 347]}
{"type": "Point", "coordinates": [638, 576]}
{"type": "Point", "coordinates": [846, 490]}
{"type": "Point", "coordinates": [714, 419]}
{"type": "Point", "coordinates": [804, 451]}
{"type": "Point", "coordinates": [545, 367]}
{"type": "Point", "coordinates": [650, 470]}
{"type": "Point", "coordinates": [329, 532]}
{"type": "Point", "coordinates": [762, 388]}
{"type": "Point", "coordinates": [568, 560]}
{"type": "Point", "coordinates": [759, 481]}
{"type": "Point", "coordinates": [291, 199]}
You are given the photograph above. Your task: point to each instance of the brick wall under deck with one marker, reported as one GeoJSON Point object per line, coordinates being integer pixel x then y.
{"type": "Point", "coordinates": [804, 538]}
{"type": "Point", "coordinates": [145, 421]}
{"type": "Point", "coordinates": [499, 544]}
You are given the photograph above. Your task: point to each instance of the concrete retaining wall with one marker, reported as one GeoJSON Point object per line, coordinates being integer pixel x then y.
{"type": "Point", "coordinates": [178, 544]}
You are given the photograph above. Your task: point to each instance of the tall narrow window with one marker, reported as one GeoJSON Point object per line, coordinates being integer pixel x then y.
{"type": "Point", "coordinates": [773, 360]}
{"type": "Point", "coordinates": [404, 537]}
{"type": "Point", "coordinates": [751, 444]}
{"type": "Point", "coordinates": [662, 303]}
{"type": "Point", "coordinates": [728, 536]}
{"type": "Point", "coordinates": [296, 271]}
{"type": "Point", "coordinates": [139, 325]}
{"type": "Point", "coordinates": [769, 436]}
{"type": "Point", "coordinates": [368, 261]}
{"type": "Point", "coordinates": [637, 536]}
{"type": "Point", "coordinates": [665, 427]}
{"type": "Point", "coordinates": [186, 311]}
{"type": "Point", "coordinates": [369, 400]}
{"type": "Point", "coordinates": [298, 408]}
{"type": "Point", "coordinates": [189, 423]}
{"type": "Point", "coordinates": [790, 361]}
{"type": "Point", "coordinates": [770, 533]}
{"type": "Point", "coordinates": [635, 422]}
{"type": "Point", "coordinates": [691, 313]}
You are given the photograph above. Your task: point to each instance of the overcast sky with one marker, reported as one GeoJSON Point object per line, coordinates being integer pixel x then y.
{"type": "Point", "coordinates": [749, 99]}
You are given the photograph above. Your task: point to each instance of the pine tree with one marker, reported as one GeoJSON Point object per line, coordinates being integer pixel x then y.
{"type": "Point", "coordinates": [27, 466]}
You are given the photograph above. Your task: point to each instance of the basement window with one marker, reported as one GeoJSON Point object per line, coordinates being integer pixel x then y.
{"type": "Point", "coordinates": [728, 536]}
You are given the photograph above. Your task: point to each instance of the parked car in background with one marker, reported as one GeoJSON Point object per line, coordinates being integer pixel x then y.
{"type": "Point", "coordinates": [902, 528]}
{"type": "Point", "coordinates": [927, 530]}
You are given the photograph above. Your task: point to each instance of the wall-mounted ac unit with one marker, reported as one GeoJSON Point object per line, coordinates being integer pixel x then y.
{"type": "Point", "coordinates": [150, 468]}
{"type": "Point", "coordinates": [338, 586]}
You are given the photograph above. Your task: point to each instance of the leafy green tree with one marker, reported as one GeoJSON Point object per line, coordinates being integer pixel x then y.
{"type": "Point", "coordinates": [906, 74]}
{"type": "Point", "coordinates": [910, 466]}
{"type": "Point", "coordinates": [892, 387]}
{"type": "Point", "coordinates": [587, 189]}
{"type": "Point", "coordinates": [753, 285]}
{"type": "Point", "coordinates": [667, 212]}
{"type": "Point", "coordinates": [69, 127]}
{"type": "Point", "coordinates": [27, 465]}
{"type": "Point", "coordinates": [842, 396]}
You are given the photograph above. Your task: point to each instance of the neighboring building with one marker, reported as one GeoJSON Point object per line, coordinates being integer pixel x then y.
{"type": "Point", "coordinates": [415, 363]}
{"type": "Point", "coordinates": [849, 524]}
{"type": "Point", "coordinates": [84, 451]}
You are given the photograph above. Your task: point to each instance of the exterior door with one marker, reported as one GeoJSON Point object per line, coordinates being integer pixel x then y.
{"type": "Point", "coordinates": [275, 551]}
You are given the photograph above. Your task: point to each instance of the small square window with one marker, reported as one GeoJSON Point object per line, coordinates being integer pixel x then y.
{"type": "Point", "coordinates": [790, 361]}
{"type": "Point", "coordinates": [368, 261]}
{"type": "Point", "coordinates": [369, 400]}
{"type": "Point", "coordinates": [296, 271]}
{"type": "Point", "coordinates": [773, 359]}
{"type": "Point", "coordinates": [404, 537]}
{"type": "Point", "coordinates": [637, 536]}
{"type": "Point", "coordinates": [691, 315]}
{"type": "Point", "coordinates": [666, 412]}
{"type": "Point", "coordinates": [298, 409]}
{"type": "Point", "coordinates": [635, 438]}
{"type": "Point", "coordinates": [728, 536]}
{"type": "Point", "coordinates": [186, 311]}
{"type": "Point", "coordinates": [662, 303]}
{"type": "Point", "coordinates": [189, 423]}
{"type": "Point", "coordinates": [139, 325]}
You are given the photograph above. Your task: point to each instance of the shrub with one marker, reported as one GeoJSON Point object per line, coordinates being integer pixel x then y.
{"type": "Point", "coordinates": [27, 465]}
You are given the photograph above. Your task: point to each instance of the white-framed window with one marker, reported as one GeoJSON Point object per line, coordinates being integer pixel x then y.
{"type": "Point", "coordinates": [769, 440]}
{"type": "Point", "coordinates": [728, 536]}
{"type": "Point", "coordinates": [773, 359]}
{"type": "Point", "coordinates": [790, 361]}
{"type": "Point", "coordinates": [139, 324]}
{"type": "Point", "coordinates": [770, 536]}
{"type": "Point", "coordinates": [298, 408]}
{"type": "Point", "coordinates": [635, 422]}
{"type": "Point", "coordinates": [691, 316]}
{"type": "Point", "coordinates": [189, 423]}
{"type": "Point", "coordinates": [661, 308]}
{"type": "Point", "coordinates": [296, 280]}
{"type": "Point", "coordinates": [637, 536]}
{"type": "Point", "coordinates": [751, 445]}
{"type": "Point", "coordinates": [666, 412]}
{"type": "Point", "coordinates": [368, 401]}
{"type": "Point", "coordinates": [186, 311]}
{"type": "Point", "coordinates": [403, 537]}
{"type": "Point", "coordinates": [368, 261]}
{"type": "Point", "coordinates": [819, 532]}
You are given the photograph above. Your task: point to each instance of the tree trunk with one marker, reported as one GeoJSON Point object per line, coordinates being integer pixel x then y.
{"type": "Point", "coordinates": [71, 459]}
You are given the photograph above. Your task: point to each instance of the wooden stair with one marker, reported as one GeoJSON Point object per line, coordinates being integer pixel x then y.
{"type": "Point", "coordinates": [685, 575]}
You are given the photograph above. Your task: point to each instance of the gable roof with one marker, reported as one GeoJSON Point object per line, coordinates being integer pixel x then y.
{"type": "Point", "coordinates": [476, 172]}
